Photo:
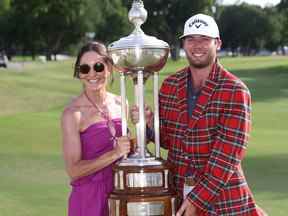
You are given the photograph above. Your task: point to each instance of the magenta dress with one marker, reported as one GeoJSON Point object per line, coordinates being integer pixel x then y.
{"type": "Point", "coordinates": [89, 195]}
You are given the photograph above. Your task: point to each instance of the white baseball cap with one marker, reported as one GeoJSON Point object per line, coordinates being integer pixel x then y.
{"type": "Point", "coordinates": [201, 24]}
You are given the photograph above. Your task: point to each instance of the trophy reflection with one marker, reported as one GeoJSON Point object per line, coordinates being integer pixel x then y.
{"type": "Point", "coordinates": [141, 181]}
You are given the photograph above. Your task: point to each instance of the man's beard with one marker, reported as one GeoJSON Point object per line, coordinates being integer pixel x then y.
{"type": "Point", "coordinates": [202, 64]}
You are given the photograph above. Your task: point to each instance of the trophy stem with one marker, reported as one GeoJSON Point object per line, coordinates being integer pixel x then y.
{"type": "Point", "coordinates": [156, 115]}
{"type": "Point", "coordinates": [123, 104]}
{"type": "Point", "coordinates": [142, 123]}
{"type": "Point", "coordinates": [138, 132]}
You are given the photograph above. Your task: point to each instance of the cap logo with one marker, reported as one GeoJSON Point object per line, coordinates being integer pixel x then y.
{"type": "Point", "coordinates": [198, 23]}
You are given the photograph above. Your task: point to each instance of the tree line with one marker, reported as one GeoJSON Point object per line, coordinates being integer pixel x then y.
{"type": "Point", "coordinates": [49, 27]}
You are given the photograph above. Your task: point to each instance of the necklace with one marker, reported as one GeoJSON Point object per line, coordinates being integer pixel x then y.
{"type": "Point", "coordinates": [105, 115]}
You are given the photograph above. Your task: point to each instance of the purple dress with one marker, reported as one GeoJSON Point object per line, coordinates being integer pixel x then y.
{"type": "Point", "coordinates": [89, 196]}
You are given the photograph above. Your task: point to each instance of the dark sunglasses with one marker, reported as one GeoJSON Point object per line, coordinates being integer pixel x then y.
{"type": "Point", "coordinates": [97, 67]}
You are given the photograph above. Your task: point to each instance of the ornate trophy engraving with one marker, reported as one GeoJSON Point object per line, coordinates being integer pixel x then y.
{"type": "Point", "coordinates": [141, 181]}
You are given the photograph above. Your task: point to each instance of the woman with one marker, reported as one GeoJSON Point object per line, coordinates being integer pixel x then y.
{"type": "Point", "coordinates": [91, 128]}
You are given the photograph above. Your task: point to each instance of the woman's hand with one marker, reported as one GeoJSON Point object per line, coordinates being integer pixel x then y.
{"type": "Point", "coordinates": [122, 146]}
{"type": "Point", "coordinates": [134, 115]}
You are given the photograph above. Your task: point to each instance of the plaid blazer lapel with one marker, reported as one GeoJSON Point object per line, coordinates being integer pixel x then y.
{"type": "Point", "coordinates": [206, 92]}
{"type": "Point", "coordinates": [182, 102]}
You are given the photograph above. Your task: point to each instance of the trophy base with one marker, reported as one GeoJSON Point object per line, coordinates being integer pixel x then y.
{"type": "Point", "coordinates": [142, 205]}
{"type": "Point", "coordinates": [141, 188]}
{"type": "Point", "coordinates": [138, 161]}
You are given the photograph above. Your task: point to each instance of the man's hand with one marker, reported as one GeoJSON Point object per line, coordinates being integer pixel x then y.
{"type": "Point", "coordinates": [187, 209]}
{"type": "Point", "coordinates": [134, 115]}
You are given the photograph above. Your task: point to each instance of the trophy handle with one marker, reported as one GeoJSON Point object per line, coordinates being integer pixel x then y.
{"type": "Point", "coordinates": [142, 122]}
{"type": "Point", "coordinates": [156, 114]}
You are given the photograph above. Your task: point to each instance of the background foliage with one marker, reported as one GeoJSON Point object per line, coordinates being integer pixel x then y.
{"type": "Point", "coordinates": [50, 27]}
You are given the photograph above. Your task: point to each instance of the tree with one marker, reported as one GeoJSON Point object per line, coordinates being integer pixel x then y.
{"type": "Point", "coordinates": [166, 18]}
{"type": "Point", "coordinates": [59, 23]}
{"type": "Point", "coordinates": [273, 39]}
{"type": "Point", "coordinates": [114, 22]}
{"type": "Point", "coordinates": [283, 5]}
{"type": "Point", "coordinates": [51, 26]}
{"type": "Point", "coordinates": [4, 5]}
{"type": "Point", "coordinates": [107, 19]}
{"type": "Point", "coordinates": [44, 25]}
{"type": "Point", "coordinates": [16, 27]}
{"type": "Point", "coordinates": [283, 9]}
{"type": "Point", "coordinates": [243, 27]}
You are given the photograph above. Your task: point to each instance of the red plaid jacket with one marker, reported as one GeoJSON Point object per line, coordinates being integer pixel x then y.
{"type": "Point", "coordinates": [208, 146]}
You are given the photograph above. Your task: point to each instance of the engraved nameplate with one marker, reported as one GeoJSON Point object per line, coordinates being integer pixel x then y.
{"type": "Point", "coordinates": [144, 180]}
{"type": "Point", "coordinates": [145, 208]}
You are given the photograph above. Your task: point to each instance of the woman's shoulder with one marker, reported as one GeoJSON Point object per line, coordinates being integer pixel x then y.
{"type": "Point", "coordinates": [72, 111]}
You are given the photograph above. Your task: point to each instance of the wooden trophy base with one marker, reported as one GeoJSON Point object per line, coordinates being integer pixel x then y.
{"type": "Point", "coordinates": [142, 205]}
{"type": "Point", "coordinates": [142, 189]}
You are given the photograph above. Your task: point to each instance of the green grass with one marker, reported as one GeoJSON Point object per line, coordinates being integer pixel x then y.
{"type": "Point", "coordinates": [32, 177]}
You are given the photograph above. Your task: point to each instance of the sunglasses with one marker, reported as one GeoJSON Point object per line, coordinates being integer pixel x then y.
{"type": "Point", "coordinates": [97, 67]}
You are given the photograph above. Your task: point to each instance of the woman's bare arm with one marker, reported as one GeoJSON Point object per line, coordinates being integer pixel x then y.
{"type": "Point", "coordinates": [76, 167]}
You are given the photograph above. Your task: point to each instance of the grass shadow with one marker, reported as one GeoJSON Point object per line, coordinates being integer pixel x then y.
{"type": "Point", "coordinates": [265, 84]}
{"type": "Point", "coordinates": [267, 174]}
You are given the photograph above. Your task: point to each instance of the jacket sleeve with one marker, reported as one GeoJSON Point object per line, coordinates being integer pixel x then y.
{"type": "Point", "coordinates": [228, 148]}
{"type": "Point", "coordinates": [167, 96]}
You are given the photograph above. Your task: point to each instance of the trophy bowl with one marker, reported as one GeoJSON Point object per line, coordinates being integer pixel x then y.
{"type": "Point", "coordinates": [139, 52]}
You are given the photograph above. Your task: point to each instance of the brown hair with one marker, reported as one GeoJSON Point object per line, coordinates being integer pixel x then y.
{"type": "Point", "coordinates": [97, 47]}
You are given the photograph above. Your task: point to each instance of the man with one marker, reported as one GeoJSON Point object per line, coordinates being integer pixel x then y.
{"type": "Point", "coordinates": [205, 123]}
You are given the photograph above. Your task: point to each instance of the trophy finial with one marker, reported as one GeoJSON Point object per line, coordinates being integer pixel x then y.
{"type": "Point", "coordinates": [137, 15]}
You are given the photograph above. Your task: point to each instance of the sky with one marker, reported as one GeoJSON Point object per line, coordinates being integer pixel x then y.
{"type": "Point", "coordinates": [262, 3]}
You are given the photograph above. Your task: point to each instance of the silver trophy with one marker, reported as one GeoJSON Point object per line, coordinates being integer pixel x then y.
{"type": "Point", "coordinates": [141, 181]}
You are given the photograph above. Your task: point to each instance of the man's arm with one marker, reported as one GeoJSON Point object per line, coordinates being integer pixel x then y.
{"type": "Point", "coordinates": [228, 148]}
